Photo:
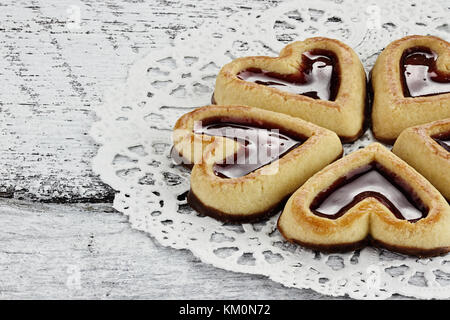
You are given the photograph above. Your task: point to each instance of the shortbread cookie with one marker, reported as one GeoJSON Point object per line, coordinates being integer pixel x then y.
{"type": "Point", "coordinates": [319, 80]}
{"type": "Point", "coordinates": [372, 196]}
{"type": "Point", "coordinates": [411, 85]}
{"type": "Point", "coordinates": [427, 149]}
{"type": "Point", "coordinates": [247, 160]}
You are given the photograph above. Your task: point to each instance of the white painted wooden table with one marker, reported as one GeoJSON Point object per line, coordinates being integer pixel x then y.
{"type": "Point", "coordinates": [59, 236]}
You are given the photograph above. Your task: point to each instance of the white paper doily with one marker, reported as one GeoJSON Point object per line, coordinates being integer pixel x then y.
{"type": "Point", "coordinates": [135, 125]}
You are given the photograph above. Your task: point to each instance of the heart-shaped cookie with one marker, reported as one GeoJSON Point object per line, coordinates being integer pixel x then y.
{"type": "Point", "coordinates": [319, 80]}
{"type": "Point", "coordinates": [411, 85]}
{"type": "Point", "coordinates": [369, 195]}
{"type": "Point", "coordinates": [246, 161]}
{"type": "Point", "coordinates": [427, 149]}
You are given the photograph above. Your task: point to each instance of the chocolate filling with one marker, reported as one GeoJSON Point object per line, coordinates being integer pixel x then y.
{"type": "Point", "coordinates": [260, 143]}
{"type": "Point", "coordinates": [443, 140]}
{"type": "Point", "coordinates": [420, 74]}
{"type": "Point", "coordinates": [372, 180]}
{"type": "Point", "coordinates": [318, 76]}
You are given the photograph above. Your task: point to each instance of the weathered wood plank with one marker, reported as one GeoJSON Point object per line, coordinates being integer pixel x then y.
{"type": "Point", "coordinates": [52, 76]}
{"type": "Point", "coordinates": [87, 251]}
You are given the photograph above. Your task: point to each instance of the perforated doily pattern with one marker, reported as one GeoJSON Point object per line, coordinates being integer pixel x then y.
{"type": "Point", "coordinates": [135, 126]}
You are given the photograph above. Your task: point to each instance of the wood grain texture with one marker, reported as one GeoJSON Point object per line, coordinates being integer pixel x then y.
{"type": "Point", "coordinates": [44, 246]}
{"type": "Point", "coordinates": [53, 75]}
